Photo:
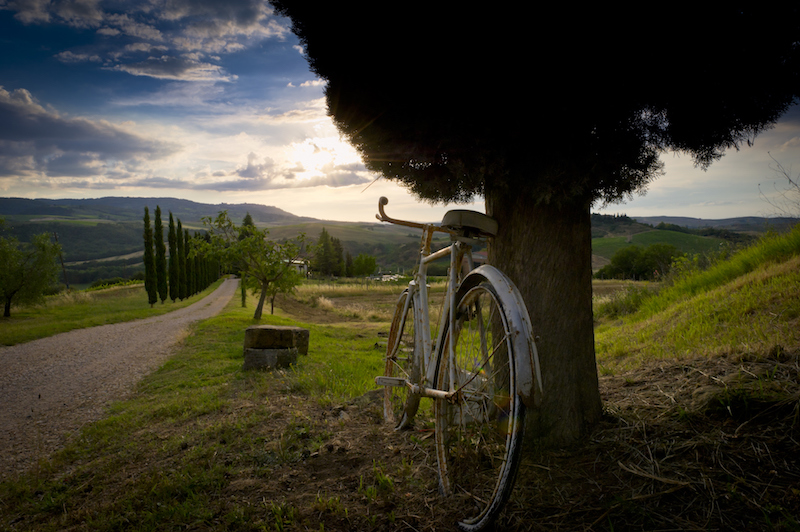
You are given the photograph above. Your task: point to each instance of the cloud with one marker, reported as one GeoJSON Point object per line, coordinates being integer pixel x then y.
{"type": "Point", "coordinates": [176, 28]}
{"type": "Point", "coordinates": [175, 68]}
{"type": "Point", "coordinates": [37, 141]}
{"type": "Point", "coordinates": [312, 111]}
{"type": "Point", "coordinates": [70, 57]}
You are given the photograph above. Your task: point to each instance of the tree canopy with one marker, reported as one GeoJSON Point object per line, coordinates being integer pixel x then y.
{"type": "Point", "coordinates": [558, 103]}
{"type": "Point", "coordinates": [28, 270]}
{"type": "Point", "coordinates": [265, 262]}
{"type": "Point", "coordinates": [544, 112]}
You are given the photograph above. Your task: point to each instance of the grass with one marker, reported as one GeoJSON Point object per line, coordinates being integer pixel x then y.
{"type": "Point", "coordinates": [747, 304]}
{"type": "Point", "coordinates": [80, 309]}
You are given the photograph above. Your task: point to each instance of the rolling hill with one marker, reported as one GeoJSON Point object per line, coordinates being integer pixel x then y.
{"type": "Point", "coordinates": [110, 228]}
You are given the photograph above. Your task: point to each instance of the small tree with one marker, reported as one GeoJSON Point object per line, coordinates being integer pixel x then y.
{"type": "Point", "coordinates": [174, 281]}
{"type": "Point", "coordinates": [150, 281]}
{"type": "Point", "coordinates": [161, 257]}
{"type": "Point", "coordinates": [264, 261]}
{"type": "Point", "coordinates": [364, 265]}
{"type": "Point", "coordinates": [27, 270]}
{"type": "Point", "coordinates": [285, 285]}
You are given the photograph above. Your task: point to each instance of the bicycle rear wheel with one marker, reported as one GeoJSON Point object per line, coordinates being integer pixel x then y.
{"type": "Point", "coordinates": [479, 430]}
{"type": "Point", "coordinates": [399, 404]}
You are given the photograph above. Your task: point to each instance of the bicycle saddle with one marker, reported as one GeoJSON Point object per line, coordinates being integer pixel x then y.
{"type": "Point", "coordinates": [470, 224]}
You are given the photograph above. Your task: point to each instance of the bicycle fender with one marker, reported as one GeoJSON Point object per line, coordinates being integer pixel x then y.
{"type": "Point", "coordinates": [526, 361]}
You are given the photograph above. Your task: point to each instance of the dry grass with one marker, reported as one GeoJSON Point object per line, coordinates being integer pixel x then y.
{"type": "Point", "coordinates": [700, 444]}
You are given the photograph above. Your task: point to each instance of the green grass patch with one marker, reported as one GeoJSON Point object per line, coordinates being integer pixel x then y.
{"type": "Point", "coordinates": [80, 309]}
{"type": "Point", "coordinates": [163, 459]}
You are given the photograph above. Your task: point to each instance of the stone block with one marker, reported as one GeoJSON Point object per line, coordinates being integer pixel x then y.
{"type": "Point", "coordinates": [276, 337]}
{"type": "Point", "coordinates": [269, 358]}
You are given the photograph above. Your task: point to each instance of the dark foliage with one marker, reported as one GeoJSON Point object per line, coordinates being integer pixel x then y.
{"type": "Point", "coordinates": [174, 277]}
{"type": "Point", "coordinates": [556, 103]}
{"type": "Point", "coordinates": [161, 256]}
{"type": "Point", "coordinates": [640, 264]}
{"type": "Point", "coordinates": [150, 281]}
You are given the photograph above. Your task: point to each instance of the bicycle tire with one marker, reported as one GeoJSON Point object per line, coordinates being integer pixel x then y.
{"type": "Point", "coordinates": [479, 431]}
{"type": "Point", "coordinates": [399, 404]}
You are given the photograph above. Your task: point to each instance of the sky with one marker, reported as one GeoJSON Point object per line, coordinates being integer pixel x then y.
{"type": "Point", "coordinates": [213, 101]}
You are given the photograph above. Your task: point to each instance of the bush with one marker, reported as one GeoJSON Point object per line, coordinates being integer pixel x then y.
{"type": "Point", "coordinates": [100, 283]}
{"type": "Point", "coordinates": [640, 264]}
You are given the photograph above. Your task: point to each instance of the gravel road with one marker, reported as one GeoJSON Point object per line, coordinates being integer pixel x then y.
{"type": "Point", "coordinates": [50, 388]}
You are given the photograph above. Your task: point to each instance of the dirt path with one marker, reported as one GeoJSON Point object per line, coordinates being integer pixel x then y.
{"type": "Point", "coordinates": [50, 388]}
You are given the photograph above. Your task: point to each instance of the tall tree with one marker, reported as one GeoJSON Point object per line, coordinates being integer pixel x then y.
{"type": "Point", "coordinates": [161, 257]}
{"type": "Point", "coordinates": [174, 279]}
{"type": "Point", "coordinates": [27, 271]}
{"type": "Point", "coordinates": [150, 281]}
{"type": "Point", "coordinates": [608, 89]}
{"type": "Point", "coordinates": [187, 250]}
{"type": "Point", "coordinates": [181, 256]}
{"type": "Point", "coordinates": [324, 258]}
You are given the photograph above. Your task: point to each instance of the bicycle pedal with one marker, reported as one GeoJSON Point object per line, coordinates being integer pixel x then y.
{"type": "Point", "coordinates": [390, 381]}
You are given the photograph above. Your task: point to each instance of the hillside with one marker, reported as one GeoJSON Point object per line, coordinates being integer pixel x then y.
{"type": "Point", "coordinates": [755, 224]}
{"type": "Point", "coordinates": [687, 243]}
{"type": "Point", "coordinates": [747, 304]}
{"type": "Point", "coordinates": [115, 209]}
{"type": "Point", "coordinates": [109, 229]}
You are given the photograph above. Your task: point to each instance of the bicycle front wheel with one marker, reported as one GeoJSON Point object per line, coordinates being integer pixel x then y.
{"type": "Point", "coordinates": [479, 430]}
{"type": "Point", "coordinates": [399, 404]}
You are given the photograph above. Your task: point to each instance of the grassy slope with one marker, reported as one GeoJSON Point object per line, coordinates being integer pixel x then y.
{"type": "Point", "coordinates": [749, 304]}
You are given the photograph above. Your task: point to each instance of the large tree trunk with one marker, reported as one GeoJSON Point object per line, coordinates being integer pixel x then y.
{"type": "Point", "coordinates": [546, 251]}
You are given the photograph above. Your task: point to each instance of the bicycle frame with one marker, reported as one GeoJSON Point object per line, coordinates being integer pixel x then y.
{"type": "Point", "coordinates": [418, 293]}
{"type": "Point", "coordinates": [527, 369]}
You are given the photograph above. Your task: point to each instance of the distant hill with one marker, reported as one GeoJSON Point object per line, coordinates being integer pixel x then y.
{"type": "Point", "coordinates": [110, 227]}
{"type": "Point", "coordinates": [116, 209]}
{"type": "Point", "coordinates": [746, 223]}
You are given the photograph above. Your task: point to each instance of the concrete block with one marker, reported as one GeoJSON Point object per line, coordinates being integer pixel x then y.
{"type": "Point", "coordinates": [267, 359]}
{"type": "Point", "coordinates": [276, 337]}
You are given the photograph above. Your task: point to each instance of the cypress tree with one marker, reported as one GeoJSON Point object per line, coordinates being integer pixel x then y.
{"type": "Point", "coordinates": [187, 245]}
{"type": "Point", "coordinates": [173, 260]}
{"type": "Point", "coordinates": [181, 256]}
{"type": "Point", "coordinates": [161, 257]}
{"type": "Point", "coordinates": [150, 282]}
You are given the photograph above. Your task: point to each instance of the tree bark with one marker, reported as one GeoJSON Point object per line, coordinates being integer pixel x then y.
{"type": "Point", "coordinates": [546, 251]}
{"type": "Point", "coordinates": [261, 300]}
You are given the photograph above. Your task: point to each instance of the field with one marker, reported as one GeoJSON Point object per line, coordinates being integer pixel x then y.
{"type": "Point", "coordinates": [608, 246]}
{"type": "Point", "coordinates": [701, 427]}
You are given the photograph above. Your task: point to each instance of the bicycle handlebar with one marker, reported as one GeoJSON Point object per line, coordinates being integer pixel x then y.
{"type": "Point", "coordinates": [383, 218]}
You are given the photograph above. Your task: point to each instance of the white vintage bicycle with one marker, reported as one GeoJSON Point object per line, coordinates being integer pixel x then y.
{"type": "Point", "coordinates": [482, 370]}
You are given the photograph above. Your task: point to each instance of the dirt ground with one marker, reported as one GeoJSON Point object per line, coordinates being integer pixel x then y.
{"type": "Point", "coordinates": [703, 444]}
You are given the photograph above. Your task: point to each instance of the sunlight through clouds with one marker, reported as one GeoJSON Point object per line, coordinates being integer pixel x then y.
{"type": "Point", "coordinates": [215, 102]}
